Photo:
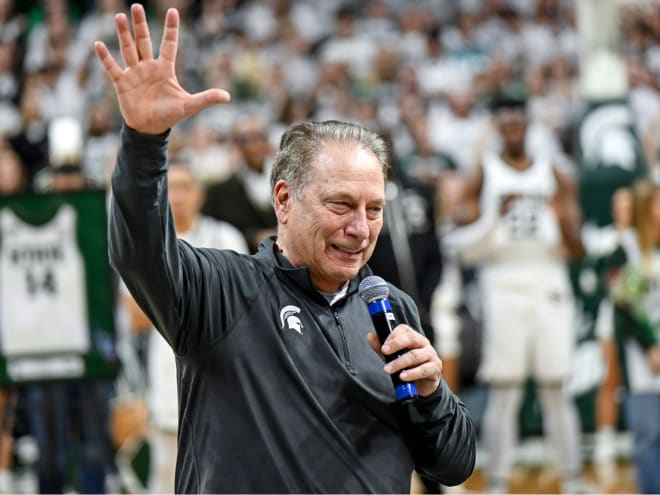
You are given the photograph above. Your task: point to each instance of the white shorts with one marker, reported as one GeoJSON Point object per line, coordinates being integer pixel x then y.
{"type": "Point", "coordinates": [528, 326]}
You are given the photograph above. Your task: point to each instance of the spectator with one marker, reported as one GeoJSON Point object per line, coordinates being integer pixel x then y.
{"type": "Point", "coordinates": [637, 299]}
{"type": "Point", "coordinates": [100, 143]}
{"type": "Point", "coordinates": [349, 46]}
{"type": "Point", "coordinates": [31, 142]}
{"type": "Point", "coordinates": [9, 85]}
{"type": "Point", "coordinates": [458, 130]}
{"type": "Point", "coordinates": [13, 176]}
{"type": "Point", "coordinates": [608, 399]}
{"type": "Point", "coordinates": [212, 158]}
{"type": "Point", "coordinates": [244, 200]}
{"type": "Point", "coordinates": [12, 24]}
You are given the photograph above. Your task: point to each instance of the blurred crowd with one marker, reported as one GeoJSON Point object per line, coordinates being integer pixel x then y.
{"type": "Point", "coordinates": [425, 74]}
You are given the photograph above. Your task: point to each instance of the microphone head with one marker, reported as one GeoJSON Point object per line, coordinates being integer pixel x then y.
{"type": "Point", "coordinates": [373, 288]}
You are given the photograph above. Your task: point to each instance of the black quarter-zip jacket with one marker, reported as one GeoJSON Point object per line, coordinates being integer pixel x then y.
{"type": "Point", "coordinates": [279, 392]}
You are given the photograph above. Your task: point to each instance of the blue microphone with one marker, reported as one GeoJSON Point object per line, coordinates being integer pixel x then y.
{"type": "Point", "coordinates": [374, 291]}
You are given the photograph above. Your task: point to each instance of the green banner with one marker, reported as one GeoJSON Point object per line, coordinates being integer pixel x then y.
{"type": "Point", "coordinates": [56, 289]}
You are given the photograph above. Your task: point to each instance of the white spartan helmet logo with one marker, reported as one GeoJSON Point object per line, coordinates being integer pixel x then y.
{"type": "Point", "coordinates": [290, 320]}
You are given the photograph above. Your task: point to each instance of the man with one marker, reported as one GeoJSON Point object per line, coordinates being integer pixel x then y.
{"type": "Point", "coordinates": [244, 200]}
{"type": "Point", "coordinates": [186, 197]}
{"type": "Point", "coordinates": [278, 388]}
{"type": "Point", "coordinates": [528, 226]}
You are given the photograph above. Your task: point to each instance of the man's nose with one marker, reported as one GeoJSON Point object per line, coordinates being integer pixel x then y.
{"type": "Point", "coordinates": [358, 226]}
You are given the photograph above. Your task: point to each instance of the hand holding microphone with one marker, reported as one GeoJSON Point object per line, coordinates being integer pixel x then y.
{"type": "Point", "coordinates": [412, 362]}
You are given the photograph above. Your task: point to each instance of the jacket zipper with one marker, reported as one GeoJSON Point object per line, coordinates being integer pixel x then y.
{"type": "Point", "coordinates": [346, 356]}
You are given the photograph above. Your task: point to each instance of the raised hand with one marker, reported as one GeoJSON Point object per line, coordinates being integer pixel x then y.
{"type": "Point", "coordinates": [151, 100]}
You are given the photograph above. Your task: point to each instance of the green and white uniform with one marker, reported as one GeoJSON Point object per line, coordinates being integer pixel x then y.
{"type": "Point", "coordinates": [42, 286]}
{"type": "Point", "coordinates": [527, 299]}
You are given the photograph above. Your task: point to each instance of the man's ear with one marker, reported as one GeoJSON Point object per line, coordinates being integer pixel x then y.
{"type": "Point", "coordinates": [282, 201]}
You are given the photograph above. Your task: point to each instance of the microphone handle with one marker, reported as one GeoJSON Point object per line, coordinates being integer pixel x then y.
{"type": "Point", "coordinates": [384, 322]}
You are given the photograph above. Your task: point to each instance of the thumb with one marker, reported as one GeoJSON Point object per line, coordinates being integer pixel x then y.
{"type": "Point", "coordinates": [204, 99]}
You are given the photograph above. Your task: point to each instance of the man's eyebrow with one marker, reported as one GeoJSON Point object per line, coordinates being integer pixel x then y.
{"type": "Point", "coordinates": [341, 195]}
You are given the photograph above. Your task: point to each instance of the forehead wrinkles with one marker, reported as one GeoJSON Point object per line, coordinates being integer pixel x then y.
{"type": "Point", "coordinates": [337, 157]}
{"type": "Point", "coordinates": [334, 159]}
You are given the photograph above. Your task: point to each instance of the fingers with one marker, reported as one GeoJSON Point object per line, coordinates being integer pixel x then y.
{"type": "Point", "coordinates": [416, 364]}
{"type": "Point", "coordinates": [403, 337]}
{"type": "Point", "coordinates": [111, 67]}
{"type": "Point", "coordinates": [426, 371]}
{"type": "Point", "coordinates": [141, 30]}
{"type": "Point", "coordinates": [126, 45]}
{"type": "Point", "coordinates": [420, 361]}
{"type": "Point", "coordinates": [170, 41]}
{"type": "Point", "coordinates": [204, 99]}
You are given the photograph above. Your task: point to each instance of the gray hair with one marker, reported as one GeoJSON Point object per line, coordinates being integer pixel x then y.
{"type": "Point", "coordinates": [301, 144]}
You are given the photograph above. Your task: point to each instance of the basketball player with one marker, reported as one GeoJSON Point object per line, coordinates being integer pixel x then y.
{"type": "Point", "coordinates": [527, 226]}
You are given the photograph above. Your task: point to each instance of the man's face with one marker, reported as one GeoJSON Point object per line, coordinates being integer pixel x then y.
{"type": "Point", "coordinates": [333, 225]}
{"type": "Point", "coordinates": [184, 192]}
{"type": "Point", "coordinates": [513, 127]}
{"type": "Point", "coordinates": [252, 141]}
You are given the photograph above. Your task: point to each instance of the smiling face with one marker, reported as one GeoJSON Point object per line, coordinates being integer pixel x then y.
{"type": "Point", "coordinates": [332, 224]}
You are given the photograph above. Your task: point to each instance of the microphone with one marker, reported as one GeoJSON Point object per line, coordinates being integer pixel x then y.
{"type": "Point", "coordinates": [374, 291]}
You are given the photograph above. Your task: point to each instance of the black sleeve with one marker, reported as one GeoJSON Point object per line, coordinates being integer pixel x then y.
{"type": "Point", "coordinates": [178, 287]}
{"type": "Point", "coordinates": [440, 436]}
{"type": "Point", "coordinates": [438, 429]}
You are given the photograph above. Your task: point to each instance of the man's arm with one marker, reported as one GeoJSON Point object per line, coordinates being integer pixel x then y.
{"type": "Point", "coordinates": [142, 241]}
{"type": "Point", "coordinates": [440, 435]}
{"type": "Point", "coordinates": [178, 286]}
{"type": "Point", "coordinates": [437, 427]}
{"type": "Point", "coordinates": [468, 209]}
{"type": "Point", "coordinates": [569, 216]}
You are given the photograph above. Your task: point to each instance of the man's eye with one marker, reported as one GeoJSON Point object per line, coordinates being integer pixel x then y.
{"type": "Point", "coordinates": [375, 212]}
{"type": "Point", "coordinates": [339, 206]}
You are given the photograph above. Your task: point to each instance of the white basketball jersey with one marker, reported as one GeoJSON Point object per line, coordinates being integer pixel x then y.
{"type": "Point", "coordinates": [529, 230]}
{"type": "Point", "coordinates": [43, 292]}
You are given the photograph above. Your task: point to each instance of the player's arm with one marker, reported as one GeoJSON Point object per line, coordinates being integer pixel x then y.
{"type": "Point", "coordinates": [569, 215]}
{"type": "Point", "coordinates": [468, 209]}
{"type": "Point", "coordinates": [470, 240]}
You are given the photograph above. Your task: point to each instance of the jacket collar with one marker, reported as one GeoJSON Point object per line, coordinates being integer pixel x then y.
{"type": "Point", "coordinates": [301, 276]}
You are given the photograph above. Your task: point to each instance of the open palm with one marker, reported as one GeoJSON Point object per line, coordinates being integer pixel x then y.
{"type": "Point", "coordinates": [151, 100]}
